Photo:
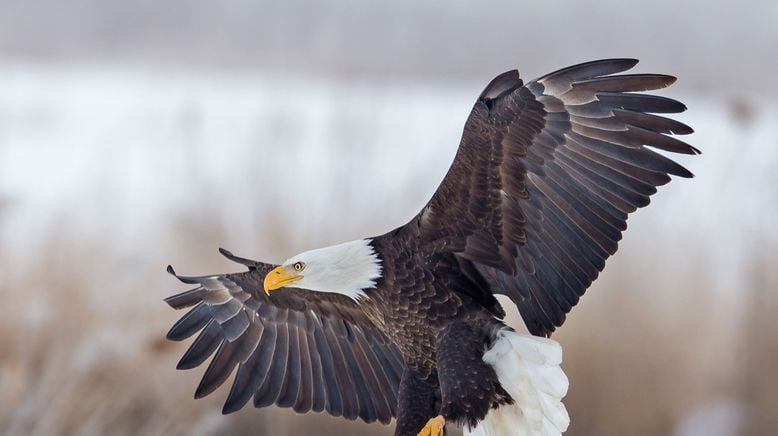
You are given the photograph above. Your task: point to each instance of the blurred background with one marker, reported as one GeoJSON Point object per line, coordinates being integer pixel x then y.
{"type": "Point", "coordinates": [137, 134]}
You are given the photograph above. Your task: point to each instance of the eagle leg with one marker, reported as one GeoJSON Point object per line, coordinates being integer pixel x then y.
{"type": "Point", "coordinates": [469, 386]}
{"type": "Point", "coordinates": [418, 401]}
{"type": "Point", "coordinates": [435, 427]}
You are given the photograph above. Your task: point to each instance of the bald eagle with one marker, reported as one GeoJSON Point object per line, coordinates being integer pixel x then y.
{"type": "Point", "coordinates": [406, 325]}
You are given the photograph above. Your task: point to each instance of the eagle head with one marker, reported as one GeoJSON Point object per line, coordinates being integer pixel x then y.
{"type": "Point", "coordinates": [348, 269]}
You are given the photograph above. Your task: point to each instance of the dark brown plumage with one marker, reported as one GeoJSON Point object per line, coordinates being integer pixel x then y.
{"type": "Point", "coordinates": [535, 202]}
{"type": "Point", "coordinates": [253, 331]}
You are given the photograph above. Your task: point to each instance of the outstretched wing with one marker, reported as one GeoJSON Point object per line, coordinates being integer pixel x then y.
{"type": "Point", "coordinates": [546, 173]}
{"type": "Point", "coordinates": [298, 349]}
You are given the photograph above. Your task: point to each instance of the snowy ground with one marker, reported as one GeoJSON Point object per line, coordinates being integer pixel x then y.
{"type": "Point", "coordinates": [107, 174]}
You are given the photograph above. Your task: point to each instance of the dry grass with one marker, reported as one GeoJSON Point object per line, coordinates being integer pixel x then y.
{"type": "Point", "coordinates": [82, 358]}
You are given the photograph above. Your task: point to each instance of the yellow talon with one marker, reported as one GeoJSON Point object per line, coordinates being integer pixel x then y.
{"type": "Point", "coordinates": [434, 427]}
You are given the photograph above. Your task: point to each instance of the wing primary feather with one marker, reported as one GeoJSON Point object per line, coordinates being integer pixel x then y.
{"type": "Point", "coordinates": [305, 397]}
{"type": "Point", "coordinates": [183, 279]}
{"type": "Point", "coordinates": [640, 157]}
{"type": "Point", "coordinates": [291, 387]}
{"type": "Point", "coordinates": [628, 200]}
{"type": "Point", "coordinates": [319, 401]}
{"type": "Point", "coordinates": [595, 202]}
{"type": "Point", "coordinates": [375, 381]}
{"type": "Point", "coordinates": [219, 369]}
{"type": "Point", "coordinates": [588, 210]}
{"type": "Point", "coordinates": [186, 299]}
{"type": "Point", "coordinates": [365, 407]}
{"type": "Point", "coordinates": [251, 264]}
{"type": "Point", "coordinates": [342, 372]}
{"type": "Point", "coordinates": [224, 311]}
{"type": "Point", "coordinates": [621, 83]}
{"type": "Point", "coordinates": [564, 270]}
{"type": "Point", "coordinates": [203, 347]}
{"type": "Point", "coordinates": [626, 182]}
{"type": "Point", "coordinates": [650, 177]}
{"type": "Point", "coordinates": [388, 365]}
{"type": "Point", "coordinates": [249, 341]}
{"type": "Point", "coordinates": [191, 323]}
{"type": "Point", "coordinates": [652, 122]}
{"type": "Point", "coordinates": [252, 373]}
{"type": "Point", "coordinates": [605, 240]}
{"type": "Point", "coordinates": [560, 80]}
{"type": "Point", "coordinates": [234, 327]}
{"type": "Point", "coordinates": [270, 389]}
{"type": "Point", "coordinates": [329, 373]}
{"type": "Point", "coordinates": [593, 253]}
{"type": "Point", "coordinates": [638, 102]}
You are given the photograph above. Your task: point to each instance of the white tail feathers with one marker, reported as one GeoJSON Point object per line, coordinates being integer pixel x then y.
{"type": "Point", "coordinates": [528, 369]}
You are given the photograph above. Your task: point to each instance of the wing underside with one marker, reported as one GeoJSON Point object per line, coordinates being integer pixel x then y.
{"type": "Point", "coordinates": [295, 349]}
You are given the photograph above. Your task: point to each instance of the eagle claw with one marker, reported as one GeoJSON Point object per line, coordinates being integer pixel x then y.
{"type": "Point", "coordinates": [434, 427]}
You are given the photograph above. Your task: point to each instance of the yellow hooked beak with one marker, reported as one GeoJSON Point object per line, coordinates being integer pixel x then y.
{"type": "Point", "coordinates": [278, 278]}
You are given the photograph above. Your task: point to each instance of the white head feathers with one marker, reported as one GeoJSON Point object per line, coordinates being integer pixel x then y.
{"type": "Point", "coordinates": [347, 268]}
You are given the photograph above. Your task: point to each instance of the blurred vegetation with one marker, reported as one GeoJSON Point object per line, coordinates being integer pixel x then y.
{"type": "Point", "coordinates": [135, 134]}
{"type": "Point", "coordinates": [663, 343]}
{"type": "Point", "coordinates": [75, 362]}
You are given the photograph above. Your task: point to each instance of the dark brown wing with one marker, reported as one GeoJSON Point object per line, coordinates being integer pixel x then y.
{"type": "Point", "coordinates": [539, 192]}
{"type": "Point", "coordinates": [298, 349]}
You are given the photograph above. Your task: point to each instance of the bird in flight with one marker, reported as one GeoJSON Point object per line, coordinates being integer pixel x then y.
{"type": "Point", "coordinates": [406, 325]}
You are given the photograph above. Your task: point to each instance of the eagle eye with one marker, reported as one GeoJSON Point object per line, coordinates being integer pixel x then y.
{"type": "Point", "coordinates": [298, 266]}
